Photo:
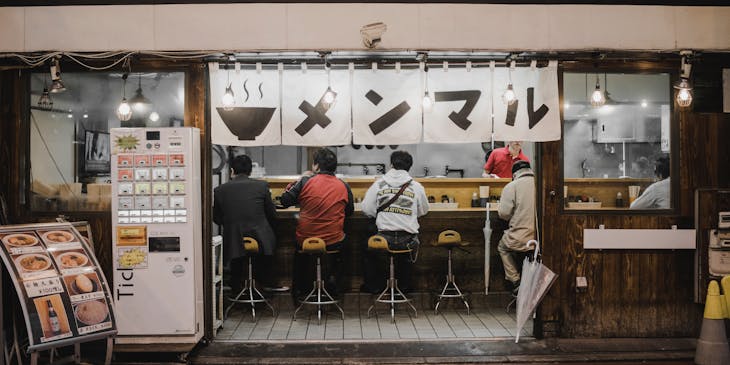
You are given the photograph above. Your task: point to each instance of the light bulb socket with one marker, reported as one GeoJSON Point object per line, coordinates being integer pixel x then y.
{"type": "Point", "coordinates": [683, 84]}
{"type": "Point", "coordinates": [57, 86]}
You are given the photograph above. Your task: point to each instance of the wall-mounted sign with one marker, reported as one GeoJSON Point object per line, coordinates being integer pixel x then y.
{"type": "Point", "coordinates": [63, 293]}
{"type": "Point", "coordinates": [384, 106]}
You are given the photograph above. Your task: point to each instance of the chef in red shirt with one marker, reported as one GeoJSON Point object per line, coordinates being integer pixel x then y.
{"type": "Point", "coordinates": [499, 163]}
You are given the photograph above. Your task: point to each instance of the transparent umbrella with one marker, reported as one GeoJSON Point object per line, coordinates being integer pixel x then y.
{"type": "Point", "coordinates": [487, 248]}
{"type": "Point", "coordinates": [535, 282]}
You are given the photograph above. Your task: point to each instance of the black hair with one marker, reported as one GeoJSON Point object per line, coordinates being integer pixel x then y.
{"type": "Point", "coordinates": [401, 160]}
{"type": "Point", "coordinates": [662, 167]}
{"type": "Point", "coordinates": [519, 165]}
{"type": "Point", "coordinates": [326, 160]}
{"type": "Point", "coordinates": [241, 164]}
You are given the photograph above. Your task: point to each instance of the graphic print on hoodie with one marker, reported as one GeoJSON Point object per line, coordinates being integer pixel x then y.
{"type": "Point", "coordinates": [402, 214]}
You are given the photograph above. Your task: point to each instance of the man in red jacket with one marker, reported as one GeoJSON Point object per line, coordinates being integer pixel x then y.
{"type": "Point", "coordinates": [324, 202]}
{"type": "Point", "coordinates": [499, 163]}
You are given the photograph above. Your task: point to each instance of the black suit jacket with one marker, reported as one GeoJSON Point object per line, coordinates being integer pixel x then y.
{"type": "Point", "coordinates": [243, 206]}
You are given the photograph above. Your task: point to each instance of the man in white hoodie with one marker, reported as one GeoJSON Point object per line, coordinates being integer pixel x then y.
{"type": "Point", "coordinates": [396, 219]}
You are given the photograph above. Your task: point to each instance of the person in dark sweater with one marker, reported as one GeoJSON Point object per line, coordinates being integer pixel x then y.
{"type": "Point", "coordinates": [243, 206]}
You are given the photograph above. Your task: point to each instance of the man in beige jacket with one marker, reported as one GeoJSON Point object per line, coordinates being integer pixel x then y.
{"type": "Point", "coordinates": [517, 205]}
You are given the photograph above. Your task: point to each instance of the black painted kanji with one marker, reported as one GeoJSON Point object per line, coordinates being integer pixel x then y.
{"type": "Point", "coordinates": [537, 115]}
{"type": "Point", "coordinates": [470, 96]}
{"type": "Point", "coordinates": [316, 115]}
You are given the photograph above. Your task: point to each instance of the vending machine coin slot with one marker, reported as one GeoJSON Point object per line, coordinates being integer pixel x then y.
{"type": "Point", "coordinates": [164, 244]}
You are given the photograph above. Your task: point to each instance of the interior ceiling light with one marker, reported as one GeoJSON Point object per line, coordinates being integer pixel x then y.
{"type": "Point", "coordinates": [330, 96]}
{"type": "Point", "coordinates": [597, 97]}
{"type": "Point", "coordinates": [57, 85]}
{"type": "Point", "coordinates": [427, 101]}
{"type": "Point", "coordinates": [509, 97]}
{"type": "Point", "coordinates": [45, 101]}
{"type": "Point", "coordinates": [124, 111]}
{"type": "Point", "coordinates": [683, 86]}
{"type": "Point", "coordinates": [229, 98]}
{"type": "Point", "coordinates": [139, 102]}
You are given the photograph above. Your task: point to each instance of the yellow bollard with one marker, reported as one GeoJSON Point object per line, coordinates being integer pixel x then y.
{"type": "Point", "coordinates": [712, 346]}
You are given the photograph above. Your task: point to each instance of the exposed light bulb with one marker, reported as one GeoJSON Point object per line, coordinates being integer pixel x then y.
{"type": "Point", "coordinates": [597, 97]}
{"type": "Point", "coordinates": [566, 105]}
{"type": "Point", "coordinates": [154, 117]}
{"type": "Point", "coordinates": [69, 116]}
{"type": "Point", "coordinates": [644, 104]}
{"type": "Point", "coordinates": [684, 94]}
{"type": "Point", "coordinates": [329, 96]}
{"type": "Point", "coordinates": [228, 98]}
{"type": "Point", "coordinates": [86, 116]}
{"type": "Point", "coordinates": [45, 101]}
{"type": "Point", "coordinates": [427, 101]}
{"type": "Point", "coordinates": [509, 97]}
{"type": "Point", "coordinates": [124, 111]}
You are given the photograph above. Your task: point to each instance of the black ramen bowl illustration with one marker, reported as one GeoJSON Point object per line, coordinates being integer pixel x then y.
{"type": "Point", "coordinates": [245, 122]}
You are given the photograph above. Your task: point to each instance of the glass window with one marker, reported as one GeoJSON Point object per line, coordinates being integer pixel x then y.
{"type": "Point", "coordinates": [616, 153]}
{"type": "Point", "coordinates": [69, 137]}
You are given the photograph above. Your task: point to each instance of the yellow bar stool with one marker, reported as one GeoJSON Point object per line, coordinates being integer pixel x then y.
{"type": "Point", "coordinates": [318, 296]}
{"type": "Point", "coordinates": [250, 294]}
{"type": "Point", "coordinates": [450, 239]}
{"type": "Point", "coordinates": [391, 294]}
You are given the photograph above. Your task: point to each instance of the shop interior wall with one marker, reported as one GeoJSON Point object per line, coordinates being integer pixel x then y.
{"type": "Point", "coordinates": [631, 293]}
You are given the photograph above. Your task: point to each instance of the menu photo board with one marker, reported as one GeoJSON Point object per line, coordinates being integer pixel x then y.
{"type": "Point", "coordinates": [61, 288]}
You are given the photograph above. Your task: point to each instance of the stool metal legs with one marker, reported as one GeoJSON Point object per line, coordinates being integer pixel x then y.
{"type": "Point", "coordinates": [319, 296]}
{"type": "Point", "coordinates": [392, 295]}
{"type": "Point", "coordinates": [250, 294]}
{"type": "Point", "coordinates": [451, 290]}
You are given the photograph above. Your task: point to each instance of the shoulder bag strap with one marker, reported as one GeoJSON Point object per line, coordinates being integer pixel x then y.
{"type": "Point", "coordinates": [395, 197]}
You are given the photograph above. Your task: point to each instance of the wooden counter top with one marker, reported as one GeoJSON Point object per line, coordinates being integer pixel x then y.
{"type": "Point", "coordinates": [426, 180]}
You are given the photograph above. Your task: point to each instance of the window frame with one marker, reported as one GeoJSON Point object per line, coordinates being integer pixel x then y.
{"type": "Point", "coordinates": [634, 67]}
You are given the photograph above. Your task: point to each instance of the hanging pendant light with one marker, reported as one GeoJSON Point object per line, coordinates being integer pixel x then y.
{"type": "Point", "coordinates": [684, 93]}
{"type": "Point", "coordinates": [45, 101]}
{"type": "Point", "coordinates": [597, 97]}
{"type": "Point", "coordinates": [509, 97]}
{"type": "Point", "coordinates": [427, 101]}
{"type": "Point", "coordinates": [330, 96]}
{"type": "Point", "coordinates": [124, 110]}
{"type": "Point", "coordinates": [140, 104]}
{"type": "Point", "coordinates": [229, 98]}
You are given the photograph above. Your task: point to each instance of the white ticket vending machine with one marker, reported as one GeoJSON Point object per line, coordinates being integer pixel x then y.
{"type": "Point", "coordinates": [156, 235]}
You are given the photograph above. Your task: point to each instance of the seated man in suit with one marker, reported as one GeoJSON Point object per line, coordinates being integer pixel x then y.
{"type": "Point", "coordinates": [243, 206]}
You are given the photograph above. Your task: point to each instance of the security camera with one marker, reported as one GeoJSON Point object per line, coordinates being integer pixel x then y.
{"type": "Point", "coordinates": [372, 33]}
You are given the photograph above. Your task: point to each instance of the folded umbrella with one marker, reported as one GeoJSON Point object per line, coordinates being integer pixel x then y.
{"type": "Point", "coordinates": [535, 282]}
{"type": "Point", "coordinates": [487, 248]}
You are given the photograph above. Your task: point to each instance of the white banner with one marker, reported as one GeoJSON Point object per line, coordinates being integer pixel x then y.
{"type": "Point", "coordinates": [255, 118]}
{"type": "Point", "coordinates": [461, 106]}
{"type": "Point", "coordinates": [386, 107]}
{"type": "Point", "coordinates": [307, 120]}
{"type": "Point", "coordinates": [535, 116]}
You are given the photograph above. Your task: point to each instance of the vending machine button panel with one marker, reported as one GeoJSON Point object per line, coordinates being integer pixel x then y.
{"type": "Point", "coordinates": [141, 160]}
{"type": "Point", "coordinates": [125, 203]}
{"type": "Point", "coordinates": [177, 174]}
{"type": "Point", "coordinates": [125, 160]}
{"type": "Point", "coordinates": [177, 202]}
{"type": "Point", "coordinates": [142, 174]}
{"type": "Point", "coordinates": [159, 160]}
{"type": "Point", "coordinates": [142, 202]}
{"type": "Point", "coordinates": [123, 213]}
{"type": "Point", "coordinates": [181, 219]}
{"type": "Point", "coordinates": [125, 188]}
{"type": "Point", "coordinates": [159, 188]}
{"type": "Point", "coordinates": [177, 188]}
{"type": "Point", "coordinates": [159, 202]}
{"type": "Point", "coordinates": [134, 213]}
{"type": "Point", "coordinates": [135, 220]}
{"type": "Point", "coordinates": [159, 174]}
{"type": "Point", "coordinates": [125, 175]}
{"type": "Point", "coordinates": [123, 220]}
{"type": "Point", "coordinates": [177, 159]}
{"type": "Point", "coordinates": [181, 212]}
{"type": "Point", "coordinates": [142, 188]}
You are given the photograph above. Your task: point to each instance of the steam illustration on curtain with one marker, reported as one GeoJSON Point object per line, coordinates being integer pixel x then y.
{"type": "Point", "coordinates": [307, 119]}
{"type": "Point", "coordinates": [255, 117]}
{"type": "Point", "coordinates": [386, 107]}
{"type": "Point", "coordinates": [462, 106]}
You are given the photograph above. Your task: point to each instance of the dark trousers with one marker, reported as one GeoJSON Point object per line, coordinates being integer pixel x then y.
{"type": "Point", "coordinates": [262, 268]}
{"type": "Point", "coordinates": [376, 263]}
{"type": "Point", "coordinates": [304, 272]}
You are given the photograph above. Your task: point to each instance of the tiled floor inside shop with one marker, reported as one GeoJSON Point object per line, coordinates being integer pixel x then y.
{"type": "Point", "coordinates": [488, 319]}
